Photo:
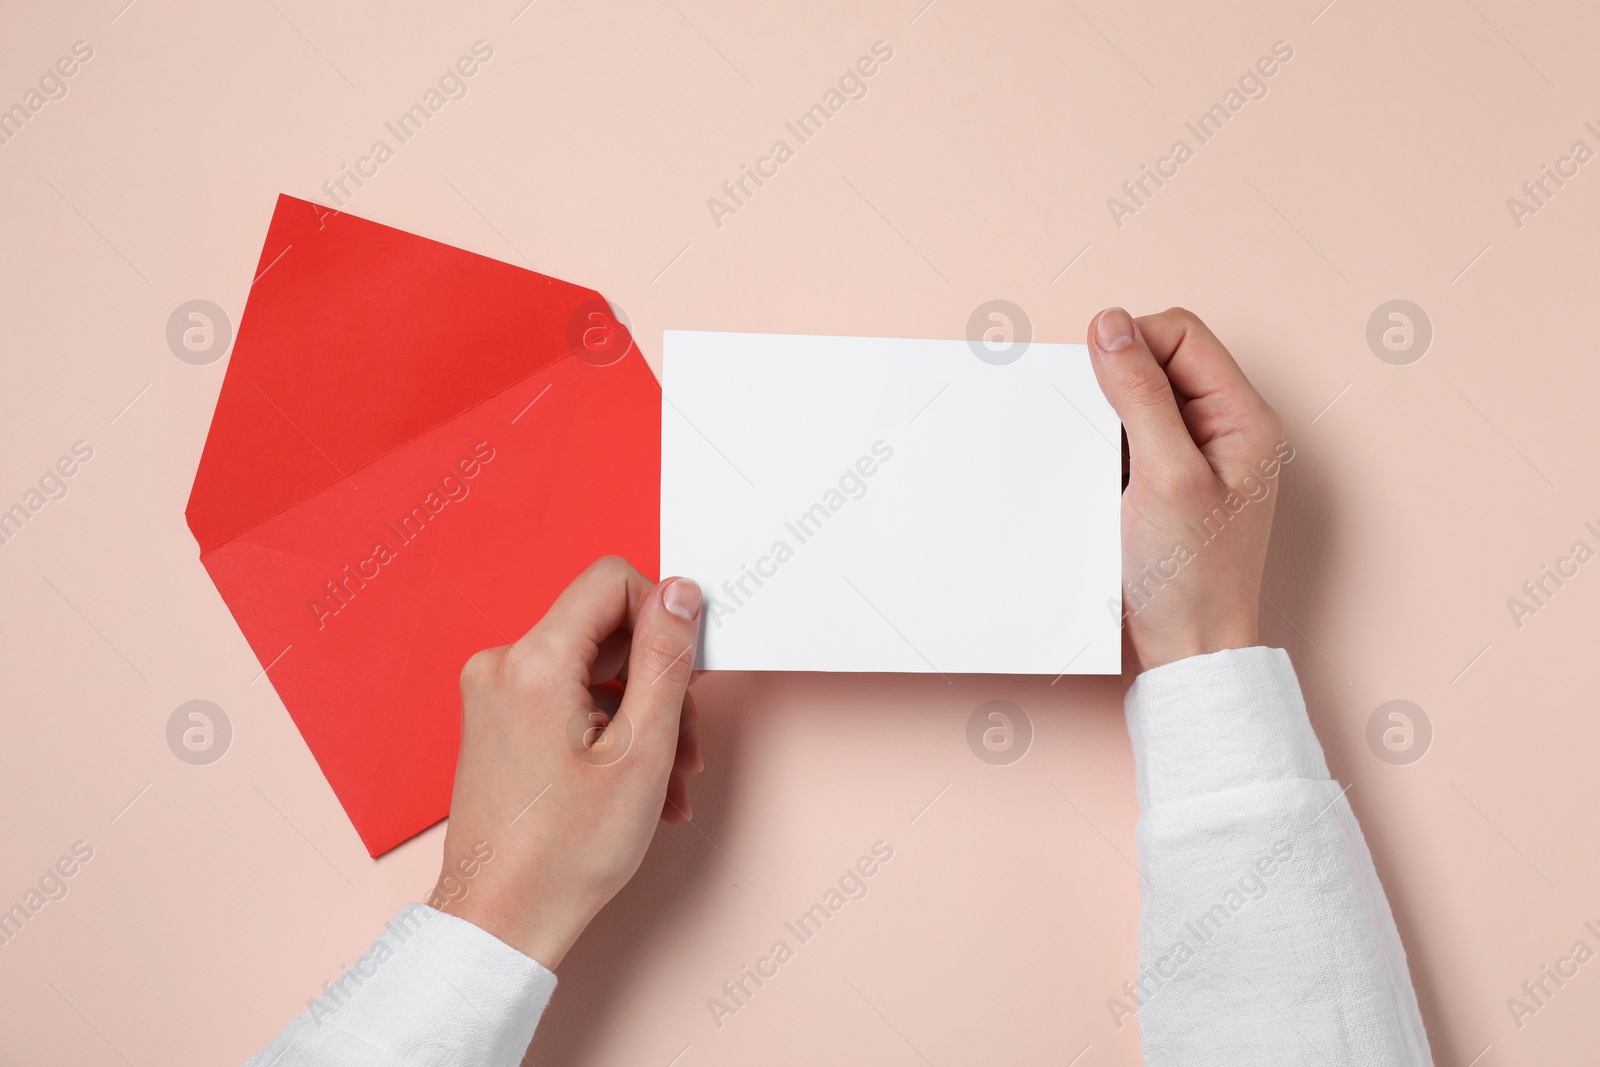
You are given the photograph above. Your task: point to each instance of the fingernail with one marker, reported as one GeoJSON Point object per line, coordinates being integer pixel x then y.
{"type": "Point", "coordinates": [1114, 330]}
{"type": "Point", "coordinates": [682, 598]}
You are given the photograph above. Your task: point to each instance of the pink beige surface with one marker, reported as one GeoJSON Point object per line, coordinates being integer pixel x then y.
{"type": "Point", "coordinates": [978, 165]}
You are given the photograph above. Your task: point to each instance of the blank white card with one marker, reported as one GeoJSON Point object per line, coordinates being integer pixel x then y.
{"type": "Point", "coordinates": [882, 504]}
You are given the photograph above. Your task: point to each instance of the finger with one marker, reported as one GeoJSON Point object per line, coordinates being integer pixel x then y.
{"type": "Point", "coordinates": [1221, 401]}
{"type": "Point", "coordinates": [1137, 387]}
{"type": "Point", "coordinates": [1197, 364]}
{"type": "Point", "coordinates": [687, 761]}
{"type": "Point", "coordinates": [685, 764]}
{"type": "Point", "coordinates": [665, 634]}
{"type": "Point", "coordinates": [606, 596]}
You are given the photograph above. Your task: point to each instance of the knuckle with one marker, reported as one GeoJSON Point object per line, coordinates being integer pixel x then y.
{"type": "Point", "coordinates": [505, 669]}
{"type": "Point", "coordinates": [1192, 328]}
{"type": "Point", "coordinates": [480, 670]}
{"type": "Point", "coordinates": [519, 669]}
{"type": "Point", "coordinates": [1273, 425]}
{"type": "Point", "coordinates": [611, 567]}
{"type": "Point", "coordinates": [1263, 428]}
{"type": "Point", "coordinates": [518, 674]}
{"type": "Point", "coordinates": [1183, 315]}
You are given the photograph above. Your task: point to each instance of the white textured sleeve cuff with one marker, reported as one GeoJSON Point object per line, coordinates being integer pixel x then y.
{"type": "Point", "coordinates": [1212, 723]}
{"type": "Point", "coordinates": [432, 990]}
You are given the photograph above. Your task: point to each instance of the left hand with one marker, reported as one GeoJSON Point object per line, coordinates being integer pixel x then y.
{"type": "Point", "coordinates": [557, 791]}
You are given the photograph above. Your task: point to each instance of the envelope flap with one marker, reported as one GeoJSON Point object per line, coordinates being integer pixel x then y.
{"type": "Point", "coordinates": [356, 338]}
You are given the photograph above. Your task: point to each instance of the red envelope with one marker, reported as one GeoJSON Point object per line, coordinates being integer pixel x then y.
{"type": "Point", "coordinates": [415, 449]}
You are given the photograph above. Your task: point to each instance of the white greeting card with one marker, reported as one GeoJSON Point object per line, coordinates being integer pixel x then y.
{"type": "Point", "coordinates": [883, 504]}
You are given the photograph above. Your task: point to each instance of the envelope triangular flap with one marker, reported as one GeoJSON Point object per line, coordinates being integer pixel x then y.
{"type": "Point", "coordinates": [366, 342]}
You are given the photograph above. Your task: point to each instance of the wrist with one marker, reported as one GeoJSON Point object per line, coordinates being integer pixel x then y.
{"type": "Point", "coordinates": [1159, 647]}
{"type": "Point", "coordinates": [540, 930]}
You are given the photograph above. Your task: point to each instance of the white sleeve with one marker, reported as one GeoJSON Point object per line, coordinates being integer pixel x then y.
{"type": "Point", "coordinates": [1264, 937]}
{"type": "Point", "coordinates": [433, 990]}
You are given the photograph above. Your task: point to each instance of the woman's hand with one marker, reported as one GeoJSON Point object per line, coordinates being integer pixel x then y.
{"type": "Point", "coordinates": [1204, 456]}
{"type": "Point", "coordinates": [574, 740]}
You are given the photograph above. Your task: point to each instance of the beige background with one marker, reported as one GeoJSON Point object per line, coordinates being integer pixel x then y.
{"type": "Point", "coordinates": [220, 898]}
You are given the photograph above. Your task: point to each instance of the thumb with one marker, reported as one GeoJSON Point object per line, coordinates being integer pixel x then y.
{"type": "Point", "coordinates": [660, 664]}
{"type": "Point", "coordinates": [1137, 387]}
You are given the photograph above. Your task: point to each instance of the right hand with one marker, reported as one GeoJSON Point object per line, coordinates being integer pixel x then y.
{"type": "Point", "coordinates": [1204, 453]}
